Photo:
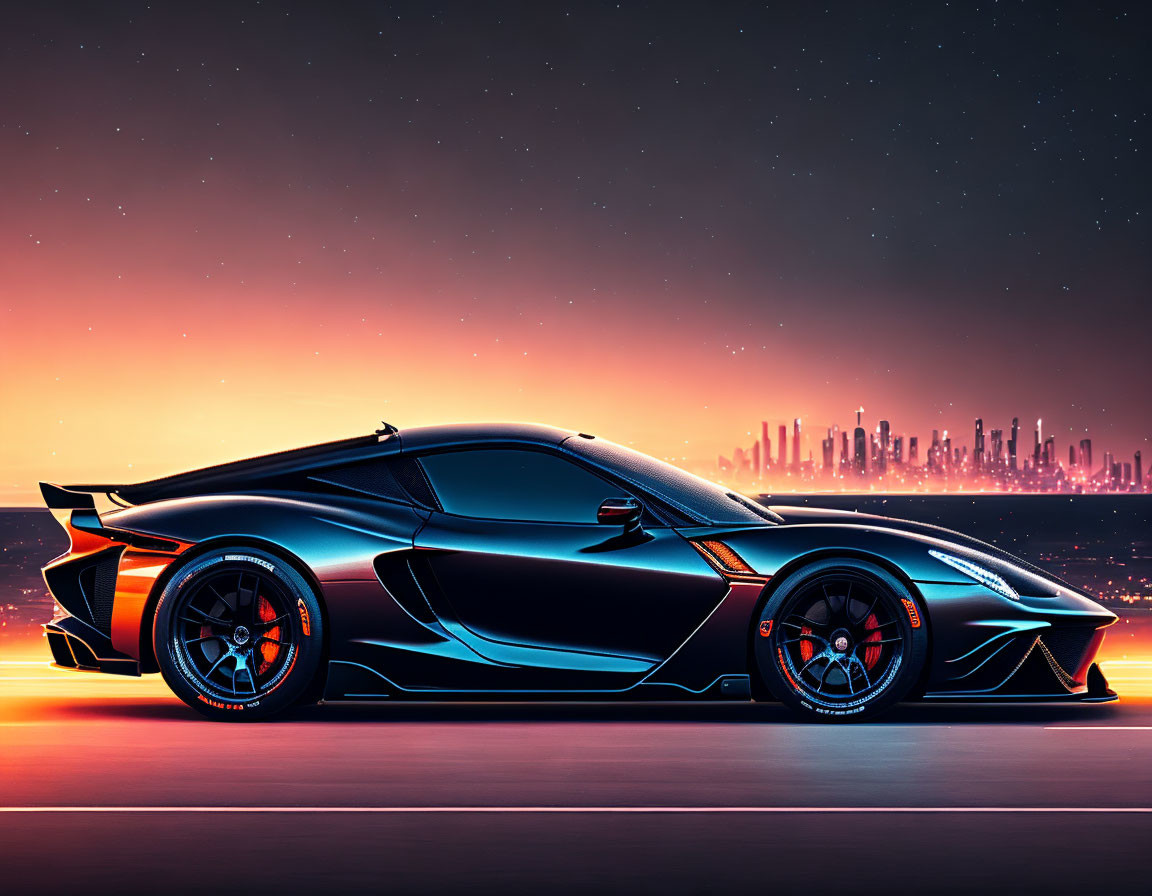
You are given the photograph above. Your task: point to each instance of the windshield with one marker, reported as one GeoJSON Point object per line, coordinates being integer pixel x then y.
{"type": "Point", "coordinates": [694, 496]}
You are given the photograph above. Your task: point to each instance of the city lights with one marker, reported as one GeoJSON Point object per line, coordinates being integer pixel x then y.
{"type": "Point", "coordinates": [879, 461]}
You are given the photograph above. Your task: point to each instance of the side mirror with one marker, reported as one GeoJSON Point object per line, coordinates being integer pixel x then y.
{"type": "Point", "coordinates": [620, 512]}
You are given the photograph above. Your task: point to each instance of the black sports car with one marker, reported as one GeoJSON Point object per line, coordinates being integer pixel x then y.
{"type": "Point", "coordinates": [445, 562]}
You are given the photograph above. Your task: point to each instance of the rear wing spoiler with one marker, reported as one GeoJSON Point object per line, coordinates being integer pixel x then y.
{"type": "Point", "coordinates": [240, 475]}
{"type": "Point", "coordinates": [72, 497]}
{"type": "Point", "coordinates": [75, 508]}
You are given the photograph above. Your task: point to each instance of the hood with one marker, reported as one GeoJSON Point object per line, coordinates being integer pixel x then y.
{"type": "Point", "coordinates": [796, 516]}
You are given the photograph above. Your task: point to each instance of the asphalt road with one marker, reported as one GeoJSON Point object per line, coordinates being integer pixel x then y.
{"type": "Point", "coordinates": [130, 792]}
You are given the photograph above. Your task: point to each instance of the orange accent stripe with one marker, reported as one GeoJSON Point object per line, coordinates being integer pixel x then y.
{"type": "Point", "coordinates": [135, 579]}
{"type": "Point", "coordinates": [723, 557]}
{"type": "Point", "coordinates": [728, 558]}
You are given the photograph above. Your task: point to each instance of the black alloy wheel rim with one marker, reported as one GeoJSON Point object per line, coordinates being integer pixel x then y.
{"type": "Point", "coordinates": [841, 639]}
{"type": "Point", "coordinates": [233, 633]}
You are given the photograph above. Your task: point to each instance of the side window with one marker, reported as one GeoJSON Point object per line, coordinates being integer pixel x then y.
{"type": "Point", "coordinates": [392, 478]}
{"type": "Point", "coordinates": [514, 484]}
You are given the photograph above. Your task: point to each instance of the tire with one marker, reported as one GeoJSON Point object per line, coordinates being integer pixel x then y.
{"type": "Point", "coordinates": [841, 640]}
{"type": "Point", "coordinates": [238, 634]}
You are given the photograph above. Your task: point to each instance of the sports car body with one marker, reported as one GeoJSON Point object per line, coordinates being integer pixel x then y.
{"type": "Point", "coordinates": [446, 562]}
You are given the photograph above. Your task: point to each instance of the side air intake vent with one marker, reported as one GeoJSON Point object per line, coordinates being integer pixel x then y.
{"type": "Point", "coordinates": [104, 591]}
{"type": "Point", "coordinates": [398, 579]}
{"type": "Point", "coordinates": [86, 587]}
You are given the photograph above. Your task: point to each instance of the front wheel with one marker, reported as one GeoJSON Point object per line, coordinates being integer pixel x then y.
{"type": "Point", "coordinates": [841, 640]}
{"type": "Point", "coordinates": [238, 634]}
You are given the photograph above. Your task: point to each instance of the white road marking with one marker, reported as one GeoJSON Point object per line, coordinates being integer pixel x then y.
{"type": "Point", "coordinates": [581, 810]}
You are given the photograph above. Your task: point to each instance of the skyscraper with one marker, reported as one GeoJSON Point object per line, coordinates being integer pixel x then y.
{"type": "Point", "coordinates": [885, 444]}
{"type": "Point", "coordinates": [1086, 455]}
{"type": "Point", "coordinates": [766, 446]}
{"type": "Point", "coordinates": [978, 445]}
{"type": "Point", "coordinates": [913, 450]}
{"type": "Point", "coordinates": [756, 469]}
{"type": "Point", "coordinates": [782, 447]}
{"type": "Point", "coordinates": [1013, 443]}
{"type": "Point", "coordinates": [1138, 468]}
{"type": "Point", "coordinates": [796, 444]}
{"type": "Point", "coordinates": [859, 446]}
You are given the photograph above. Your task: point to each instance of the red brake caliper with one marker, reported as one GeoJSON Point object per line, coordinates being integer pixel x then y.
{"type": "Point", "coordinates": [805, 645]}
{"type": "Point", "coordinates": [872, 654]}
{"type": "Point", "coordinates": [268, 649]}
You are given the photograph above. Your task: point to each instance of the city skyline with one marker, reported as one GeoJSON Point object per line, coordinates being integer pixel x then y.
{"type": "Point", "coordinates": [894, 461]}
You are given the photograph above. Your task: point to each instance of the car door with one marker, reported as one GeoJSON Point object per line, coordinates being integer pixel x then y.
{"type": "Point", "coordinates": [516, 566]}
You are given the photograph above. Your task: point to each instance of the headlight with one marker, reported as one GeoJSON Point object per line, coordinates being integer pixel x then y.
{"type": "Point", "coordinates": [984, 576]}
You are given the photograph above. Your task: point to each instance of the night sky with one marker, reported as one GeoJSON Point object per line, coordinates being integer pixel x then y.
{"type": "Point", "coordinates": [236, 228]}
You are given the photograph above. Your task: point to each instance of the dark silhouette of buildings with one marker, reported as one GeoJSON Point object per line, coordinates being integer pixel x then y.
{"type": "Point", "coordinates": [880, 456]}
{"type": "Point", "coordinates": [859, 460]}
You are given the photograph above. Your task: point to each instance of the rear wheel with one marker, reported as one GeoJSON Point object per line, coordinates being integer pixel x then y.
{"type": "Point", "coordinates": [237, 634]}
{"type": "Point", "coordinates": [841, 640]}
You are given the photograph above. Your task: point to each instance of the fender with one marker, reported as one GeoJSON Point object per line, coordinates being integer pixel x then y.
{"type": "Point", "coordinates": [337, 541]}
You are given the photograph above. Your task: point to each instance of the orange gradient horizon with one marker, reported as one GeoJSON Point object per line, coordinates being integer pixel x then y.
{"type": "Point", "coordinates": [124, 356]}
{"type": "Point", "coordinates": [150, 375]}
